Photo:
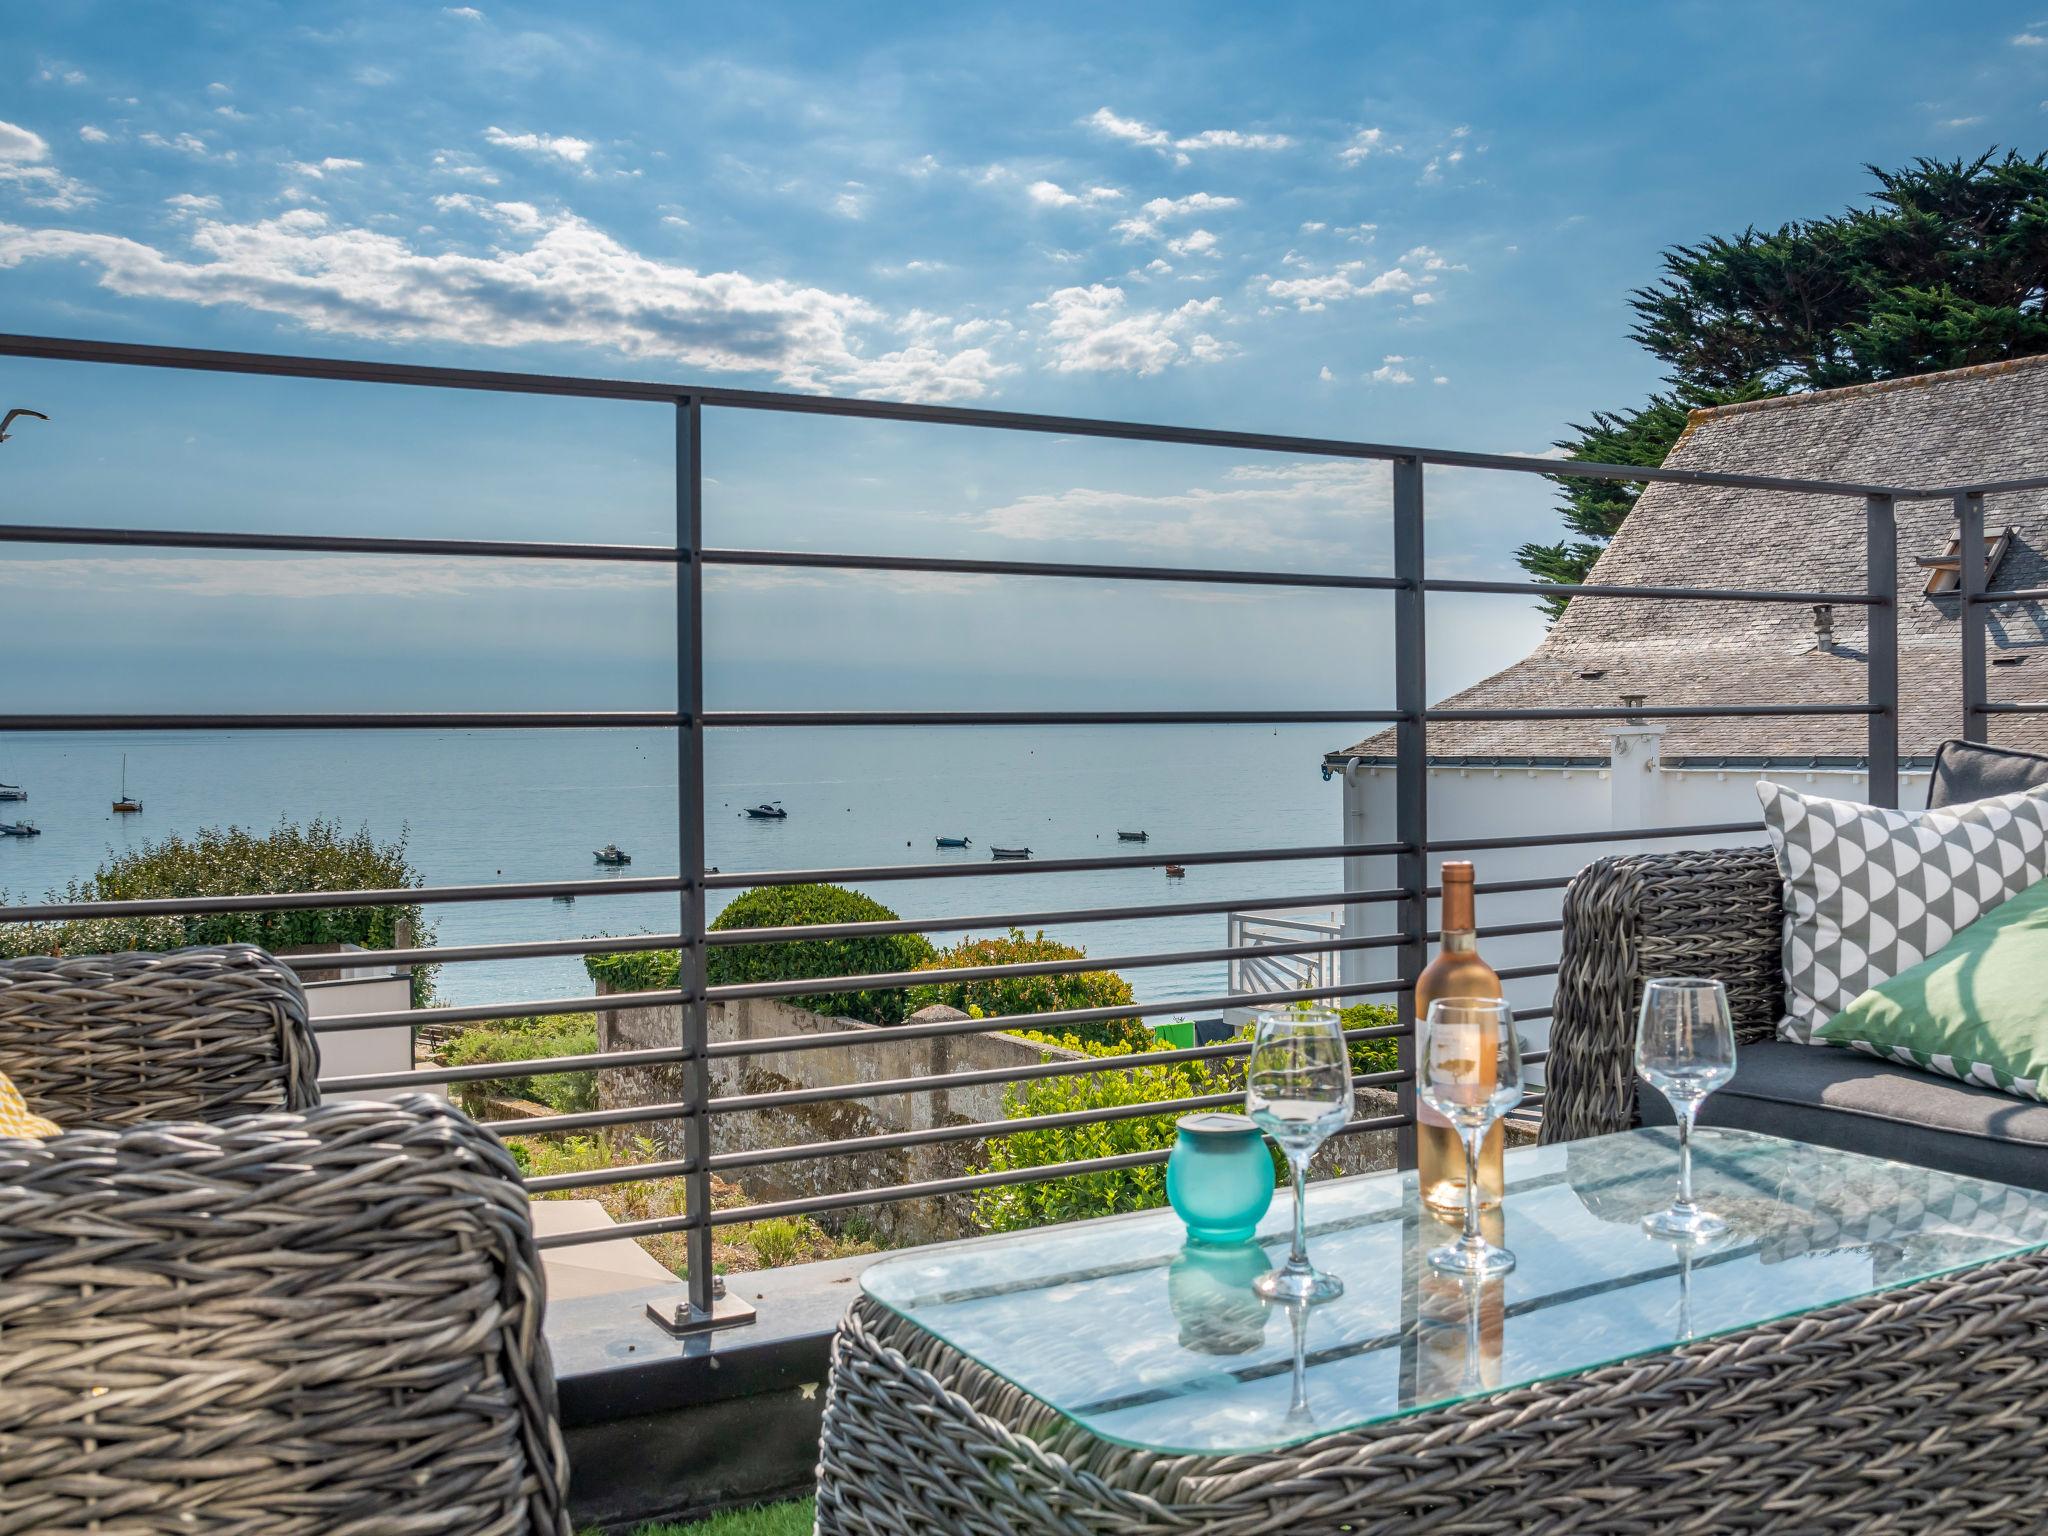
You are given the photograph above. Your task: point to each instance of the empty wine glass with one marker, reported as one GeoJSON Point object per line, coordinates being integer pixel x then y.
{"type": "Point", "coordinates": [1470, 1072]}
{"type": "Point", "coordinates": [1298, 1090]}
{"type": "Point", "coordinates": [1685, 1049]}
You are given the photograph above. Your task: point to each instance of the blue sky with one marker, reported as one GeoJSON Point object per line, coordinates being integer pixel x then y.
{"type": "Point", "coordinates": [1406, 223]}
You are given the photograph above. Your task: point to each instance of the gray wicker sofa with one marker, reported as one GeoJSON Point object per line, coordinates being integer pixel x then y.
{"type": "Point", "coordinates": [1719, 913]}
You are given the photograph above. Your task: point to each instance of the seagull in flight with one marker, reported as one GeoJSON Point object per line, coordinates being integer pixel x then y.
{"type": "Point", "coordinates": [8, 420]}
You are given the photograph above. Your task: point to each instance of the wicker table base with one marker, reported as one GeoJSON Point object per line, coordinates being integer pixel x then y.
{"type": "Point", "coordinates": [1919, 1409]}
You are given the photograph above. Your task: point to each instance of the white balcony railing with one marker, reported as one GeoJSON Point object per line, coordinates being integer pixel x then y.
{"type": "Point", "coordinates": [1282, 972]}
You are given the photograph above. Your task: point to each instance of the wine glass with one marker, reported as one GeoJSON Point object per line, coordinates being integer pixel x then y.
{"type": "Point", "coordinates": [1470, 1072]}
{"type": "Point", "coordinates": [1298, 1090]}
{"type": "Point", "coordinates": [1685, 1049]}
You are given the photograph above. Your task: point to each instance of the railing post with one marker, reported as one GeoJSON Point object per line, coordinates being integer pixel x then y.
{"type": "Point", "coordinates": [1881, 643]}
{"type": "Point", "coordinates": [1970, 584]}
{"type": "Point", "coordinates": [1411, 778]}
{"type": "Point", "coordinates": [707, 1306]}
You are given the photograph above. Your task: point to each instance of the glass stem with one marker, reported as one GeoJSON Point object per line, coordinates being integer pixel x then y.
{"type": "Point", "coordinates": [1686, 1111]}
{"type": "Point", "coordinates": [1474, 1135]}
{"type": "Point", "coordinates": [1298, 1259]}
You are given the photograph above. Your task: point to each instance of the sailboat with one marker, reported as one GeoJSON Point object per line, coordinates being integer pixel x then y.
{"type": "Point", "coordinates": [124, 806]}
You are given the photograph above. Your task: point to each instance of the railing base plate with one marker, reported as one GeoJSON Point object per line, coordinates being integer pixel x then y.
{"type": "Point", "coordinates": [680, 1321]}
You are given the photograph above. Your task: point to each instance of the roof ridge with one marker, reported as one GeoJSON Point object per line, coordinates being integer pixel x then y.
{"type": "Point", "coordinates": [1705, 413]}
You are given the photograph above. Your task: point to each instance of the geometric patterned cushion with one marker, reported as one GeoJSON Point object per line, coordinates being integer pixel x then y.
{"type": "Point", "coordinates": [1869, 892]}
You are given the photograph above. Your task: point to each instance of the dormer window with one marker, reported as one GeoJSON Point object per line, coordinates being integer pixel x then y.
{"type": "Point", "coordinates": [1945, 570]}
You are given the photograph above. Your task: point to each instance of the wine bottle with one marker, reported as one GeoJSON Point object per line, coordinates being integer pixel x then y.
{"type": "Point", "coordinates": [1457, 971]}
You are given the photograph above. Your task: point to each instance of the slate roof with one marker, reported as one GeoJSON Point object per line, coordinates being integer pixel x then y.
{"type": "Point", "coordinates": [1970, 424]}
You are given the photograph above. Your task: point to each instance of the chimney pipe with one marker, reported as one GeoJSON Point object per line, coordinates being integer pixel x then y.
{"type": "Point", "coordinates": [1824, 626]}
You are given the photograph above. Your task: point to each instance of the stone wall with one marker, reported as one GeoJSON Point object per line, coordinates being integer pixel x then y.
{"type": "Point", "coordinates": [880, 1056]}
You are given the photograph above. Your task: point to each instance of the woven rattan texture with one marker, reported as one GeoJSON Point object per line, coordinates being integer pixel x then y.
{"type": "Point", "coordinates": [193, 1034]}
{"type": "Point", "coordinates": [280, 1325]}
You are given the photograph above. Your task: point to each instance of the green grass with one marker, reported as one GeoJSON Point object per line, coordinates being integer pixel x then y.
{"type": "Point", "coordinates": [791, 1519]}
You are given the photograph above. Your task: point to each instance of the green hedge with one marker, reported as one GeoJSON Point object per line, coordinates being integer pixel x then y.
{"type": "Point", "coordinates": [1001, 996]}
{"type": "Point", "coordinates": [782, 906]}
{"type": "Point", "coordinates": [318, 856]}
{"type": "Point", "coordinates": [564, 1034]}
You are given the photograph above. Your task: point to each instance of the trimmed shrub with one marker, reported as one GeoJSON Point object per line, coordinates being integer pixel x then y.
{"type": "Point", "coordinates": [563, 1034]}
{"type": "Point", "coordinates": [1382, 1055]}
{"type": "Point", "coordinates": [1002, 996]}
{"type": "Point", "coordinates": [318, 856]}
{"type": "Point", "coordinates": [782, 906]}
{"type": "Point", "coordinates": [1011, 1207]}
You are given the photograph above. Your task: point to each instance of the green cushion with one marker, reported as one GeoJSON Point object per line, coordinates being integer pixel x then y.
{"type": "Point", "coordinates": [1975, 1010]}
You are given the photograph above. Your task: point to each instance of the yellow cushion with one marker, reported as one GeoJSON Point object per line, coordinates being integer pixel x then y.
{"type": "Point", "coordinates": [15, 1116]}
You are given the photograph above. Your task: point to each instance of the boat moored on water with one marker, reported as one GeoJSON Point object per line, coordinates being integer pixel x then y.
{"type": "Point", "coordinates": [125, 806]}
{"type": "Point", "coordinates": [20, 829]}
{"type": "Point", "coordinates": [612, 854]}
{"type": "Point", "coordinates": [12, 792]}
{"type": "Point", "coordinates": [1132, 837]}
{"type": "Point", "coordinates": [770, 811]}
{"type": "Point", "coordinates": [1010, 853]}
{"type": "Point", "coordinates": [955, 842]}
{"type": "Point", "coordinates": [1176, 871]}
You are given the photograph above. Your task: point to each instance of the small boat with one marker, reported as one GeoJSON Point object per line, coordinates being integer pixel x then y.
{"type": "Point", "coordinates": [772, 811]}
{"type": "Point", "coordinates": [1132, 837]}
{"type": "Point", "coordinates": [955, 842]}
{"type": "Point", "coordinates": [12, 792]}
{"type": "Point", "coordinates": [1010, 853]}
{"type": "Point", "coordinates": [612, 853]}
{"type": "Point", "coordinates": [124, 806]}
{"type": "Point", "coordinates": [568, 899]}
{"type": "Point", "coordinates": [20, 829]}
{"type": "Point", "coordinates": [1176, 871]}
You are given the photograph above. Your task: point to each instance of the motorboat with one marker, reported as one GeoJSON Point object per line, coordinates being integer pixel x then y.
{"type": "Point", "coordinates": [1010, 853]}
{"type": "Point", "coordinates": [955, 842]}
{"type": "Point", "coordinates": [612, 854]}
{"type": "Point", "coordinates": [1132, 837]}
{"type": "Point", "coordinates": [772, 811]}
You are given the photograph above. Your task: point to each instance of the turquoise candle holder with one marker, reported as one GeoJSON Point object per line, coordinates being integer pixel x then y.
{"type": "Point", "coordinates": [1219, 1177]}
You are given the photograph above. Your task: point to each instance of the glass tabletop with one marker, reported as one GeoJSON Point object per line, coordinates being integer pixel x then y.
{"type": "Point", "coordinates": [1151, 1342]}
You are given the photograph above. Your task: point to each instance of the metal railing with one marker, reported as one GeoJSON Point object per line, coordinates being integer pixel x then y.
{"type": "Point", "coordinates": [699, 1110]}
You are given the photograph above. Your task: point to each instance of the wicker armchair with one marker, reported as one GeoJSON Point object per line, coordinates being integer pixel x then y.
{"type": "Point", "coordinates": [280, 1325]}
{"type": "Point", "coordinates": [1709, 912]}
{"type": "Point", "coordinates": [195, 1034]}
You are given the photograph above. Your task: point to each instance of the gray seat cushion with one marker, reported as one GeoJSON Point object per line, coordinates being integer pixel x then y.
{"type": "Point", "coordinates": [1839, 1098]}
{"type": "Point", "coordinates": [1970, 770]}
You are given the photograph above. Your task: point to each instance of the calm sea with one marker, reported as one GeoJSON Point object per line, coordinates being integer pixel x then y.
{"type": "Point", "coordinates": [533, 805]}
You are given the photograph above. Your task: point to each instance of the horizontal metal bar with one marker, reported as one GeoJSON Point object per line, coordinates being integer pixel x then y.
{"type": "Point", "coordinates": [1622, 589]}
{"type": "Point", "coordinates": [620, 1173]}
{"type": "Point", "coordinates": [494, 720]}
{"type": "Point", "coordinates": [412, 1018]}
{"type": "Point", "coordinates": [805, 559]}
{"type": "Point", "coordinates": [923, 1189]}
{"type": "Point", "coordinates": [818, 1204]}
{"type": "Point", "coordinates": [941, 976]}
{"type": "Point", "coordinates": [1050, 1022]}
{"type": "Point", "coordinates": [792, 719]}
{"type": "Point", "coordinates": [1067, 915]}
{"type": "Point", "coordinates": [595, 1119]}
{"type": "Point", "coordinates": [294, 901]}
{"type": "Point", "coordinates": [1986, 488]}
{"type": "Point", "coordinates": [1652, 712]}
{"type": "Point", "coordinates": [1604, 835]}
{"type": "Point", "coordinates": [77, 350]}
{"type": "Point", "coordinates": [1993, 599]}
{"type": "Point", "coordinates": [333, 544]}
{"type": "Point", "coordinates": [2030, 708]}
{"type": "Point", "coordinates": [784, 1098]}
{"type": "Point", "coordinates": [486, 1071]}
{"type": "Point", "coordinates": [992, 866]}
{"type": "Point", "coordinates": [531, 949]}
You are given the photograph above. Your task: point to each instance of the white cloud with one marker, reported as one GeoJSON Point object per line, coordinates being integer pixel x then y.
{"type": "Point", "coordinates": [1314, 227]}
{"type": "Point", "coordinates": [1145, 223]}
{"type": "Point", "coordinates": [1146, 136]}
{"type": "Point", "coordinates": [463, 12]}
{"type": "Point", "coordinates": [1326, 376]}
{"type": "Point", "coordinates": [21, 144]}
{"type": "Point", "coordinates": [1959, 122]}
{"type": "Point", "coordinates": [1390, 371]}
{"type": "Point", "coordinates": [1364, 144]}
{"type": "Point", "coordinates": [1092, 330]}
{"type": "Point", "coordinates": [1050, 194]}
{"type": "Point", "coordinates": [193, 202]}
{"type": "Point", "coordinates": [318, 169]}
{"type": "Point", "coordinates": [558, 146]}
{"type": "Point", "coordinates": [93, 135]}
{"type": "Point", "coordinates": [1196, 242]}
{"type": "Point", "coordinates": [1424, 258]}
{"type": "Point", "coordinates": [1302, 508]}
{"type": "Point", "coordinates": [850, 204]}
{"type": "Point", "coordinates": [232, 114]}
{"type": "Point", "coordinates": [24, 165]}
{"type": "Point", "coordinates": [1424, 297]}
{"type": "Point", "coordinates": [452, 162]}
{"type": "Point", "coordinates": [217, 89]}
{"type": "Point", "coordinates": [1313, 293]}
{"type": "Point", "coordinates": [1440, 379]}
{"type": "Point", "coordinates": [184, 143]}
{"type": "Point", "coordinates": [570, 285]}
{"type": "Point", "coordinates": [2029, 40]}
